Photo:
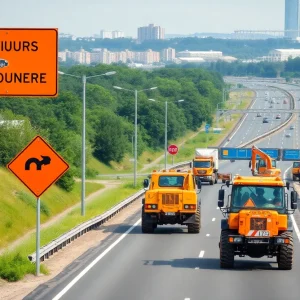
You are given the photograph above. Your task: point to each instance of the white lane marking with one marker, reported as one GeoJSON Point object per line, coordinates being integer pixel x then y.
{"type": "Point", "coordinates": [187, 298]}
{"type": "Point", "coordinates": [201, 254]}
{"type": "Point", "coordinates": [84, 271]}
{"type": "Point", "coordinates": [207, 234]}
{"type": "Point", "coordinates": [213, 219]}
{"type": "Point", "coordinates": [292, 217]}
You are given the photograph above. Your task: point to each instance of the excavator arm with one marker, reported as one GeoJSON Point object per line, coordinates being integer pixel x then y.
{"type": "Point", "coordinates": [270, 170]}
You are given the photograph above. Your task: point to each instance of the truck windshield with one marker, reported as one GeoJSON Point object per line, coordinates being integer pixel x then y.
{"type": "Point", "coordinates": [296, 164]}
{"type": "Point", "coordinates": [171, 181]}
{"type": "Point", "coordinates": [257, 197]}
{"type": "Point", "coordinates": [201, 164]}
{"type": "Point", "coordinates": [262, 163]}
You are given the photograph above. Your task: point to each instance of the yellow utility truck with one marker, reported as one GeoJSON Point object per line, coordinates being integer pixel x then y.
{"type": "Point", "coordinates": [265, 166]}
{"type": "Point", "coordinates": [171, 198]}
{"type": "Point", "coordinates": [257, 220]}
{"type": "Point", "coordinates": [205, 165]}
{"type": "Point", "coordinates": [296, 170]}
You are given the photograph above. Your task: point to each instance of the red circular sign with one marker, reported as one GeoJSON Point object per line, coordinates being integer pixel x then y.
{"type": "Point", "coordinates": [173, 149]}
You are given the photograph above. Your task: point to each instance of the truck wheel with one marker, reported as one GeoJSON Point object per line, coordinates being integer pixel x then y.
{"type": "Point", "coordinates": [294, 178]}
{"type": "Point", "coordinates": [286, 251]}
{"type": "Point", "coordinates": [216, 179]}
{"type": "Point", "coordinates": [226, 251]}
{"type": "Point", "coordinates": [211, 182]}
{"type": "Point", "coordinates": [147, 224]}
{"type": "Point", "coordinates": [223, 180]}
{"type": "Point", "coordinates": [195, 227]}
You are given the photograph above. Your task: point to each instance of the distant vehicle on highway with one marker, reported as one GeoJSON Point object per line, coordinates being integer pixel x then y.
{"type": "Point", "coordinates": [278, 116]}
{"type": "Point", "coordinates": [265, 120]}
{"type": "Point", "coordinates": [3, 63]}
{"type": "Point", "coordinates": [288, 134]}
{"type": "Point", "coordinates": [292, 127]}
{"type": "Point", "coordinates": [258, 115]}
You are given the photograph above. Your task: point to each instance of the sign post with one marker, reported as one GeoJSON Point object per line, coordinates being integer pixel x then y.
{"type": "Point", "coordinates": [38, 166]}
{"type": "Point", "coordinates": [29, 68]}
{"type": "Point", "coordinates": [173, 150]}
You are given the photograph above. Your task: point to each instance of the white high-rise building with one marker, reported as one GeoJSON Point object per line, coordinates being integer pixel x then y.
{"type": "Point", "coordinates": [292, 18]}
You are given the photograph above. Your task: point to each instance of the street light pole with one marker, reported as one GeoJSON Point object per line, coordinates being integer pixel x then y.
{"type": "Point", "coordinates": [166, 127]}
{"type": "Point", "coordinates": [166, 133]}
{"type": "Point", "coordinates": [135, 138]}
{"type": "Point", "coordinates": [83, 159]}
{"type": "Point", "coordinates": [83, 147]}
{"type": "Point", "coordinates": [135, 127]}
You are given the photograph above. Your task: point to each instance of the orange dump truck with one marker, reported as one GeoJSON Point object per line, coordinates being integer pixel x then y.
{"type": "Point", "coordinates": [171, 198]}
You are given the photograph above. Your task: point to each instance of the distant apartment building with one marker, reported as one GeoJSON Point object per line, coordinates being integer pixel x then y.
{"type": "Point", "coordinates": [105, 34]}
{"type": "Point", "coordinates": [292, 18]}
{"type": "Point", "coordinates": [168, 54]}
{"type": "Point", "coordinates": [81, 57]}
{"type": "Point", "coordinates": [150, 32]}
{"type": "Point", "coordinates": [278, 55]}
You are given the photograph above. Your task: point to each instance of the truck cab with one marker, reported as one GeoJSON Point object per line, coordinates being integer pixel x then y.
{"type": "Point", "coordinates": [205, 165]}
{"type": "Point", "coordinates": [296, 170]}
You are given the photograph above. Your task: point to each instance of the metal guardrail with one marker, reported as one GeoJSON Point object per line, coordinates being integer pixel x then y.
{"type": "Point", "coordinates": [65, 239]}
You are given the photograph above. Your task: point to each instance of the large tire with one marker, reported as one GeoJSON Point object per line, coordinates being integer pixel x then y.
{"type": "Point", "coordinates": [294, 178]}
{"type": "Point", "coordinates": [286, 251]}
{"type": "Point", "coordinates": [147, 224]}
{"type": "Point", "coordinates": [195, 227]}
{"type": "Point", "coordinates": [211, 182]}
{"type": "Point", "coordinates": [216, 179]}
{"type": "Point", "coordinates": [226, 251]}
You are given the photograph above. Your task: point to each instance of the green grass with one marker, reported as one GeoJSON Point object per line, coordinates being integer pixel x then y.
{"type": "Point", "coordinates": [18, 205]}
{"type": "Point", "coordinates": [14, 265]}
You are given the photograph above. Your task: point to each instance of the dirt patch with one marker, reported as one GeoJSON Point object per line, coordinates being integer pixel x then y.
{"type": "Point", "coordinates": [60, 260]}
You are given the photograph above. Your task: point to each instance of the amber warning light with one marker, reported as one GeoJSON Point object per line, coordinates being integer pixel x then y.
{"type": "Point", "coordinates": [28, 62]}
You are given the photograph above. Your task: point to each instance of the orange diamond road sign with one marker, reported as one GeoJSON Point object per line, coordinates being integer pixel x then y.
{"type": "Point", "coordinates": [28, 62]}
{"type": "Point", "coordinates": [38, 166]}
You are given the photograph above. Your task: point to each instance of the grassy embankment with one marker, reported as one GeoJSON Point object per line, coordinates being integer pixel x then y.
{"type": "Point", "coordinates": [14, 265]}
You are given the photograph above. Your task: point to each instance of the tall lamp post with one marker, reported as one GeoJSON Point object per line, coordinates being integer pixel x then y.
{"type": "Point", "coordinates": [135, 126]}
{"type": "Point", "coordinates": [166, 126]}
{"type": "Point", "coordinates": [84, 79]}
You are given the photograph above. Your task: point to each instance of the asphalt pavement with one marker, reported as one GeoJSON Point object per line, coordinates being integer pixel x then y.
{"type": "Point", "coordinates": [172, 264]}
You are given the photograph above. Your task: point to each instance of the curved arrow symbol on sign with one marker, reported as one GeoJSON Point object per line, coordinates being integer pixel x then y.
{"type": "Point", "coordinates": [45, 161]}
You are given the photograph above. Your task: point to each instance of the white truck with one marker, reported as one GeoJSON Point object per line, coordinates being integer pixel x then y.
{"type": "Point", "coordinates": [205, 166]}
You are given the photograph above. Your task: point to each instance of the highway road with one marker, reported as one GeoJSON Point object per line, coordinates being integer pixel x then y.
{"type": "Point", "coordinates": [172, 264]}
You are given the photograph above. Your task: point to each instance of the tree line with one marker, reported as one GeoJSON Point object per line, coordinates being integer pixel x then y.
{"type": "Point", "coordinates": [110, 113]}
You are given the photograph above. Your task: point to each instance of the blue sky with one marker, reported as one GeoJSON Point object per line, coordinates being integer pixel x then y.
{"type": "Point", "coordinates": [84, 18]}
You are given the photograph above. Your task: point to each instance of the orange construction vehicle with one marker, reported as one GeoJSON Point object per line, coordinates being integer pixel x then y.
{"type": "Point", "coordinates": [265, 166]}
{"type": "Point", "coordinates": [296, 170]}
{"type": "Point", "coordinates": [256, 220]}
{"type": "Point", "coordinates": [171, 198]}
